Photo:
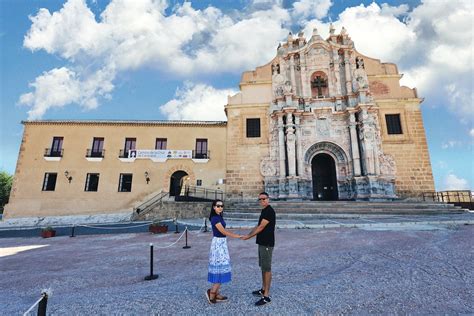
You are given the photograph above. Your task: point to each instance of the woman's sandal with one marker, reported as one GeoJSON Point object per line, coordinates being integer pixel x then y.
{"type": "Point", "coordinates": [209, 295]}
{"type": "Point", "coordinates": [221, 298]}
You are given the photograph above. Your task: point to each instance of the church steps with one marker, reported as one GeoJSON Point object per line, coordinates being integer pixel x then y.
{"type": "Point", "coordinates": [340, 207]}
{"type": "Point", "coordinates": [344, 204]}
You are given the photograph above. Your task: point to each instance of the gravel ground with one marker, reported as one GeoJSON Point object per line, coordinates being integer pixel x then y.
{"type": "Point", "coordinates": [325, 271]}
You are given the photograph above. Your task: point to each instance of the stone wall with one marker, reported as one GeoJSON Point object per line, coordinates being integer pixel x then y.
{"type": "Point", "coordinates": [409, 150]}
{"type": "Point", "coordinates": [179, 210]}
{"type": "Point", "coordinates": [244, 155]}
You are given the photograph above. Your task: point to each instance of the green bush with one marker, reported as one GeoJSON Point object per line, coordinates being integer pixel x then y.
{"type": "Point", "coordinates": [6, 181]}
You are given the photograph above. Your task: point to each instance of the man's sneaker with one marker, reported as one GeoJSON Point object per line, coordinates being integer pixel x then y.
{"type": "Point", "coordinates": [258, 293]}
{"type": "Point", "coordinates": [264, 300]}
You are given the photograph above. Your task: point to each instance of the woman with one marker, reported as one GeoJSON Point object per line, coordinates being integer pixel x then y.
{"type": "Point", "coordinates": [219, 260]}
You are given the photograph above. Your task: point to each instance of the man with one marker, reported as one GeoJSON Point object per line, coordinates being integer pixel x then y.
{"type": "Point", "coordinates": [265, 231]}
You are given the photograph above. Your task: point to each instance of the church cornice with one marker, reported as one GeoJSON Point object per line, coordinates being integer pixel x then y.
{"type": "Point", "coordinates": [127, 122]}
{"type": "Point", "coordinates": [384, 76]}
{"type": "Point", "coordinates": [254, 82]}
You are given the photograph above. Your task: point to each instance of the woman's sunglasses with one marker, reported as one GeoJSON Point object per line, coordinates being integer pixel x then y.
{"type": "Point", "coordinates": [219, 205]}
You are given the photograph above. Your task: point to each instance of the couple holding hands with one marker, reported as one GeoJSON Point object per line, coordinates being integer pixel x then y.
{"type": "Point", "coordinates": [219, 259]}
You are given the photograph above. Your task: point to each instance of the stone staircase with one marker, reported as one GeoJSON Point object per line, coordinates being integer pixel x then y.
{"type": "Point", "coordinates": [299, 209]}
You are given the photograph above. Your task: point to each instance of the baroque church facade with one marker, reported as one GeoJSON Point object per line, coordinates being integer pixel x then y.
{"type": "Point", "coordinates": [337, 125]}
{"type": "Point", "coordinates": [320, 121]}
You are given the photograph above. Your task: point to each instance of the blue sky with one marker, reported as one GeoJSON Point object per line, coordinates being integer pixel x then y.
{"type": "Point", "coordinates": [110, 59]}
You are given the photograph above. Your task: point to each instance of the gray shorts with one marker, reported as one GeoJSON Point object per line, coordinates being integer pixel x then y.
{"type": "Point", "coordinates": [265, 258]}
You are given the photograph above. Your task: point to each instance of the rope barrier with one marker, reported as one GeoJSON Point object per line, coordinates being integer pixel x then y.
{"type": "Point", "coordinates": [107, 228]}
{"type": "Point", "coordinates": [42, 301]}
{"type": "Point", "coordinates": [123, 227]}
{"type": "Point", "coordinates": [175, 241]}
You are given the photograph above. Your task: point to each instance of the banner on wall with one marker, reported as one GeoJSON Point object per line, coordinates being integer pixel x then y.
{"type": "Point", "coordinates": [160, 154]}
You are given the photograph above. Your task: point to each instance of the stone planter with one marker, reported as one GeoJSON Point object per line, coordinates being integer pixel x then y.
{"type": "Point", "coordinates": [158, 229]}
{"type": "Point", "coordinates": [48, 233]}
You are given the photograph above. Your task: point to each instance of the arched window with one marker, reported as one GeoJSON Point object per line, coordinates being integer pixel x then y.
{"type": "Point", "coordinates": [319, 85]}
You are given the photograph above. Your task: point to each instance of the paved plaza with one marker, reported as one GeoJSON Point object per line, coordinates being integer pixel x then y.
{"type": "Point", "coordinates": [414, 270]}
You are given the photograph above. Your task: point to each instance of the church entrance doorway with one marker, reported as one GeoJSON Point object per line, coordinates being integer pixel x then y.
{"type": "Point", "coordinates": [176, 182]}
{"type": "Point", "coordinates": [323, 170]}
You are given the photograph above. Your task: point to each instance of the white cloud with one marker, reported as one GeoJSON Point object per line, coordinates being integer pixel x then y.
{"type": "Point", "coordinates": [311, 8]}
{"type": "Point", "coordinates": [452, 182]}
{"type": "Point", "coordinates": [135, 34]}
{"type": "Point", "coordinates": [451, 144]}
{"type": "Point", "coordinates": [61, 86]}
{"type": "Point", "coordinates": [471, 132]}
{"type": "Point", "coordinates": [197, 102]}
{"type": "Point", "coordinates": [401, 10]}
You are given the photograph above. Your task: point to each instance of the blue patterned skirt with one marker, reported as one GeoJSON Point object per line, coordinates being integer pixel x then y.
{"type": "Point", "coordinates": [219, 262]}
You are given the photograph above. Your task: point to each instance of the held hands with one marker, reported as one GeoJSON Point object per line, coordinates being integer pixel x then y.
{"type": "Point", "coordinates": [245, 237]}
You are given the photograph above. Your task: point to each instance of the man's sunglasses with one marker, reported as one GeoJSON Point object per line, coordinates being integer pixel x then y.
{"type": "Point", "coordinates": [262, 199]}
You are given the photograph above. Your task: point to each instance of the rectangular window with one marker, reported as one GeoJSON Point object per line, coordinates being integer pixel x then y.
{"type": "Point", "coordinates": [253, 127]}
{"type": "Point", "coordinates": [125, 182]}
{"type": "Point", "coordinates": [129, 145]}
{"type": "Point", "coordinates": [160, 143]}
{"type": "Point", "coordinates": [201, 148]}
{"type": "Point", "coordinates": [56, 147]}
{"type": "Point", "coordinates": [198, 182]}
{"type": "Point", "coordinates": [97, 147]}
{"type": "Point", "coordinates": [393, 124]}
{"type": "Point", "coordinates": [49, 182]}
{"type": "Point", "coordinates": [92, 182]}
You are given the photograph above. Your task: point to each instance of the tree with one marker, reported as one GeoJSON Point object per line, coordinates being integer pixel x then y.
{"type": "Point", "coordinates": [5, 188]}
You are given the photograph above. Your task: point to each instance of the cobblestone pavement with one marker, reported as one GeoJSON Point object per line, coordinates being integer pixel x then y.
{"type": "Point", "coordinates": [315, 271]}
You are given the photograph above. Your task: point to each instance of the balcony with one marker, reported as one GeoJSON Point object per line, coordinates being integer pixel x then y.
{"type": "Point", "coordinates": [94, 155]}
{"type": "Point", "coordinates": [201, 157]}
{"type": "Point", "coordinates": [124, 156]}
{"type": "Point", "coordinates": [53, 154]}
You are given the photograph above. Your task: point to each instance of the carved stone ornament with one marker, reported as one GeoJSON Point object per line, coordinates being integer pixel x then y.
{"type": "Point", "coordinates": [387, 165]}
{"type": "Point", "coordinates": [278, 79]}
{"type": "Point", "coordinates": [268, 167]}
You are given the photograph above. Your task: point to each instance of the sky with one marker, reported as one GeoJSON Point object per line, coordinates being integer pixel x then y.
{"type": "Point", "coordinates": [159, 59]}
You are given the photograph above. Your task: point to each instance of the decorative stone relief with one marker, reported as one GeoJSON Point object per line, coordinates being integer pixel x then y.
{"type": "Point", "coordinates": [322, 127]}
{"type": "Point", "coordinates": [268, 167]}
{"type": "Point", "coordinates": [387, 165]}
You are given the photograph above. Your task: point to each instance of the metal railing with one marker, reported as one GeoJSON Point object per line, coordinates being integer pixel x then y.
{"type": "Point", "coordinates": [50, 152]}
{"type": "Point", "coordinates": [201, 155]}
{"type": "Point", "coordinates": [95, 154]}
{"type": "Point", "coordinates": [461, 198]}
{"type": "Point", "coordinates": [148, 205]}
{"type": "Point", "coordinates": [123, 153]}
{"type": "Point", "coordinates": [203, 193]}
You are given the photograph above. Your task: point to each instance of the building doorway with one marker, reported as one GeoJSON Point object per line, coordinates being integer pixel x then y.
{"type": "Point", "coordinates": [176, 182]}
{"type": "Point", "coordinates": [323, 169]}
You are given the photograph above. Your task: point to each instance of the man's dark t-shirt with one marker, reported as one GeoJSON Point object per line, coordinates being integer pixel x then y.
{"type": "Point", "coordinates": [267, 236]}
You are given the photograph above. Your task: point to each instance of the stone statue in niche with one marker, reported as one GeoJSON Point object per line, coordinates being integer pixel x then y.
{"type": "Point", "coordinates": [275, 69]}
{"type": "Point", "coordinates": [297, 62]}
{"type": "Point", "coordinates": [359, 63]}
{"type": "Point", "coordinates": [287, 88]}
{"type": "Point", "coordinates": [359, 80]}
{"type": "Point", "coordinates": [279, 91]}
